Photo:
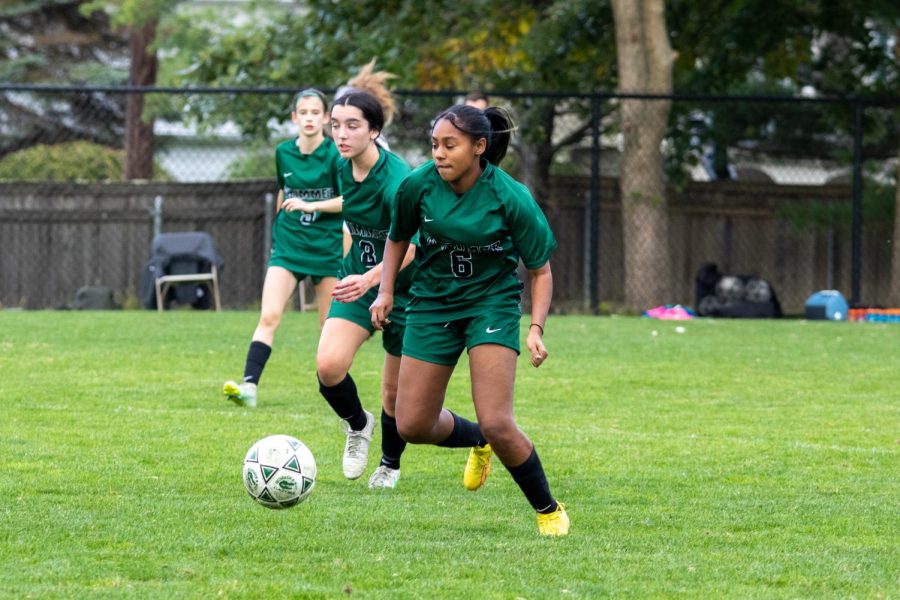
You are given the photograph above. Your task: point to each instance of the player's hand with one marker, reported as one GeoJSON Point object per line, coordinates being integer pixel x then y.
{"type": "Point", "coordinates": [380, 309]}
{"type": "Point", "coordinates": [351, 288]}
{"type": "Point", "coordinates": [535, 344]}
{"type": "Point", "coordinates": [293, 204]}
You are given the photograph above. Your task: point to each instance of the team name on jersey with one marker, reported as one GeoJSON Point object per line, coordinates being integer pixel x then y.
{"type": "Point", "coordinates": [309, 194]}
{"type": "Point", "coordinates": [367, 232]}
{"type": "Point", "coordinates": [492, 248]}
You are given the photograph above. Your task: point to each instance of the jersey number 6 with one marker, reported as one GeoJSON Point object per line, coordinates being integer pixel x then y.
{"type": "Point", "coordinates": [461, 263]}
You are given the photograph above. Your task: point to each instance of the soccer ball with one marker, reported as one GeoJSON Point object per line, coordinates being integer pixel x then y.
{"type": "Point", "coordinates": [279, 471]}
{"type": "Point", "coordinates": [757, 290]}
{"type": "Point", "coordinates": [730, 288]}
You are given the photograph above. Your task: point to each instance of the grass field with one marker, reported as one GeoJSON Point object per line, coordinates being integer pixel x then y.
{"type": "Point", "coordinates": [738, 459]}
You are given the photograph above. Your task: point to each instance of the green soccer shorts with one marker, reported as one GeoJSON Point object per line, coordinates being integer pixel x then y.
{"type": "Point", "coordinates": [443, 343]}
{"type": "Point", "coordinates": [291, 267]}
{"type": "Point", "coordinates": [358, 312]}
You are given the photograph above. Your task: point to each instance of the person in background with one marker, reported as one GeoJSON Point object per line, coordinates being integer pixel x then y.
{"type": "Point", "coordinates": [477, 99]}
{"type": "Point", "coordinates": [306, 234]}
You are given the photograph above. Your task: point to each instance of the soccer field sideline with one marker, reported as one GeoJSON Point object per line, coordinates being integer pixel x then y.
{"type": "Point", "coordinates": [735, 459]}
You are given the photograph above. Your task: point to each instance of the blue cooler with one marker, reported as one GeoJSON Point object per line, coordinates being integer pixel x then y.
{"type": "Point", "coordinates": [827, 304]}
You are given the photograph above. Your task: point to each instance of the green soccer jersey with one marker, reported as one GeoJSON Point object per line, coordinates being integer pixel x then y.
{"type": "Point", "coordinates": [470, 245]}
{"type": "Point", "coordinates": [367, 213]}
{"type": "Point", "coordinates": [308, 243]}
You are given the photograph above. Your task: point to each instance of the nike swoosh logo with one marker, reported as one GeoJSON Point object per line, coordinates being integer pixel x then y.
{"type": "Point", "coordinates": [427, 220]}
{"type": "Point", "coordinates": [489, 330]}
{"type": "Point", "coordinates": [286, 175]}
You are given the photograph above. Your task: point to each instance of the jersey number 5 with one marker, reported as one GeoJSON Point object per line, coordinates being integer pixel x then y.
{"type": "Point", "coordinates": [461, 263]}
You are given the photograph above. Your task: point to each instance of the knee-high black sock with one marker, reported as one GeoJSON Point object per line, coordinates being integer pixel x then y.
{"type": "Point", "coordinates": [344, 401]}
{"type": "Point", "coordinates": [531, 479]}
{"type": "Point", "coordinates": [392, 445]}
{"type": "Point", "coordinates": [257, 356]}
{"type": "Point", "coordinates": [465, 434]}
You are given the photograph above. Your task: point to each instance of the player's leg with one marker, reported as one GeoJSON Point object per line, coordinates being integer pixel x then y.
{"type": "Point", "coordinates": [277, 289]}
{"type": "Point", "coordinates": [338, 344]}
{"type": "Point", "coordinates": [419, 410]}
{"type": "Point", "coordinates": [430, 352]}
{"type": "Point", "coordinates": [324, 287]}
{"type": "Point", "coordinates": [392, 445]}
{"type": "Point", "coordinates": [493, 371]}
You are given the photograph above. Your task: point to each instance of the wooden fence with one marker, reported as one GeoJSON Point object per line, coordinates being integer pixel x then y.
{"type": "Point", "coordinates": [57, 237]}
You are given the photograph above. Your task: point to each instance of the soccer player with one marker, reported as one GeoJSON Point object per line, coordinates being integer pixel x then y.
{"type": "Point", "coordinates": [369, 177]}
{"type": "Point", "coordinates": [306, 235]}
{"type": "Point", "coordinates": [474, 223]}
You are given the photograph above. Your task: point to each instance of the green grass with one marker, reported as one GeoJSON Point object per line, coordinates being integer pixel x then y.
{"type": "Point", "coordinates": [738, 459]}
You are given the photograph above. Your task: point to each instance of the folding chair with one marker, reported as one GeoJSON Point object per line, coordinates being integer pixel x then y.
{"type": "Point", "coordinates": [182, 258]}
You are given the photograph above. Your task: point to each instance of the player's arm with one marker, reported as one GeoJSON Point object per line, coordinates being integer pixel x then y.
{"type": "Point", "coordinates": [541, 293]}
{"type": "Point", "coordinates": [352, 287]}
{"type": "Point", "coordinates": [396, 255]}
{"type": "Point", "coordinates": [279, 201]}
{"type": "Point", "coordinates": [332, 205]}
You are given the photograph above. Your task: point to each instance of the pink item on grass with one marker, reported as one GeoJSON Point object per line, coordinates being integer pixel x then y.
{"type": "Point", "coordinates": [669, 313]}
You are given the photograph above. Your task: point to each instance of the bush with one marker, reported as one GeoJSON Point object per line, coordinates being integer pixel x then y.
{"type": "Point", "coordinates": [258, 163]}
{"type": "Point", "coordinates": [71, 161]}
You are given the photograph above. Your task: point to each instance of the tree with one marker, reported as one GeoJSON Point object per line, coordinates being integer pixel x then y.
{"type": "Point", "coordinates": [645, 66]}
{"type": "Point", "coordinates": [501, 45]}
{"type": "Point", "coordinates": [71, 48]}
{"type": "Point", "coordinates": [140, 19]}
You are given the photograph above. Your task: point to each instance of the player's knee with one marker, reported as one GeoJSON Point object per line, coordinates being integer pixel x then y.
{"type": "Point", "coordinates": [499, 432]}
{"type": "Point", "coordinates": [412, 432]}
{"type": "Point", "coordinates": [389, 396]}
{"type": "Point", "coordinates": [330, 371]}
{"type": "Point", "coordinates": [269, 319]}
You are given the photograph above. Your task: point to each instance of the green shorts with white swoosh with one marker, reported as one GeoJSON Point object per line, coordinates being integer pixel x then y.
{"type": "Point", "coordinates": [443, 343]}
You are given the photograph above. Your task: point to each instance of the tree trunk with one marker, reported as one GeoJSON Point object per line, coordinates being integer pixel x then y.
{"type": "Point", "coordinates": [536, 151]}
{"type": "Point", "coordinates": [645, 61]}
{"type": "Point", "coordinates": [139, 132]}
{"type": "Point", "coordinates": [894, 292]}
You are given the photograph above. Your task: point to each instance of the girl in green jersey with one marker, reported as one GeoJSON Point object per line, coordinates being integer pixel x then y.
{"type": "Point", "coordinates": [474, 223]}
{"type": "Point", "coordinates": [369, 177]}
{"type": "Point", "coordinates": [306, 235]}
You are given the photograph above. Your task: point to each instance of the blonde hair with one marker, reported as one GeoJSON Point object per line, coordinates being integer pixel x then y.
{"type": "Point", "coordinates": [374, 82]}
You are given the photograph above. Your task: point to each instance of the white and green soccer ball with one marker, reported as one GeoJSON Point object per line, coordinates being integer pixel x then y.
{"type": "Point", "coordinates": [279, 471]}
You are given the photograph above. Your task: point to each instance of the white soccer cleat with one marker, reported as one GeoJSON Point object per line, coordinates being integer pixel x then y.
{"type": "Point", "coordinates": [243, 394]}
{"type": "Point", "coordinates": [356, 451]}
{"type": "Point", "coordinates": [384, 478]}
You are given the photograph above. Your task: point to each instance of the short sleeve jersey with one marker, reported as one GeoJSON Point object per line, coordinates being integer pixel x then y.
{"type": "Point", "coordinates": [310, 242]}
{"type": "Point", "coordinates": [367, 212]}
{"type": "Point", "coordinates": [470, 245]}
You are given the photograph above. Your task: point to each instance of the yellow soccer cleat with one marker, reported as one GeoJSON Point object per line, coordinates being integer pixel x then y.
{"type": "Point", "coordinates": [243, 394]}
{"type": "Point", "coordinates": [555, 523]}
{"type": "Point", "coordinates": [477, 467]}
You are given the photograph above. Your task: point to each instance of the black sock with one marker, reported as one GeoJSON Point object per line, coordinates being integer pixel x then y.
{"type": "Point", "coordinates": [257, 356]}
{"type": "Point", "coordinates": [392, 445]}
{"type": "Point", "coordinates": [345, 402]}
{"type": "Point", "coordinates": [531, 479]}
{"type": "Point", "coordinates": [465, 434]}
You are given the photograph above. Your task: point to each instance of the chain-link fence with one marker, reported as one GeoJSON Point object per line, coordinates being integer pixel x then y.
{"type": "Point", "coordinates": [641, 191]}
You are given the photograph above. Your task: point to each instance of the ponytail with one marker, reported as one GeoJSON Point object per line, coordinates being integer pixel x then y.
{"type": "Point", "coordinates": [501, 134]}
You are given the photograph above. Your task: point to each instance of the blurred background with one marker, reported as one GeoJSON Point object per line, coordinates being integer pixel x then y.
{"type": "Point", "coordinates": [658, 136]}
